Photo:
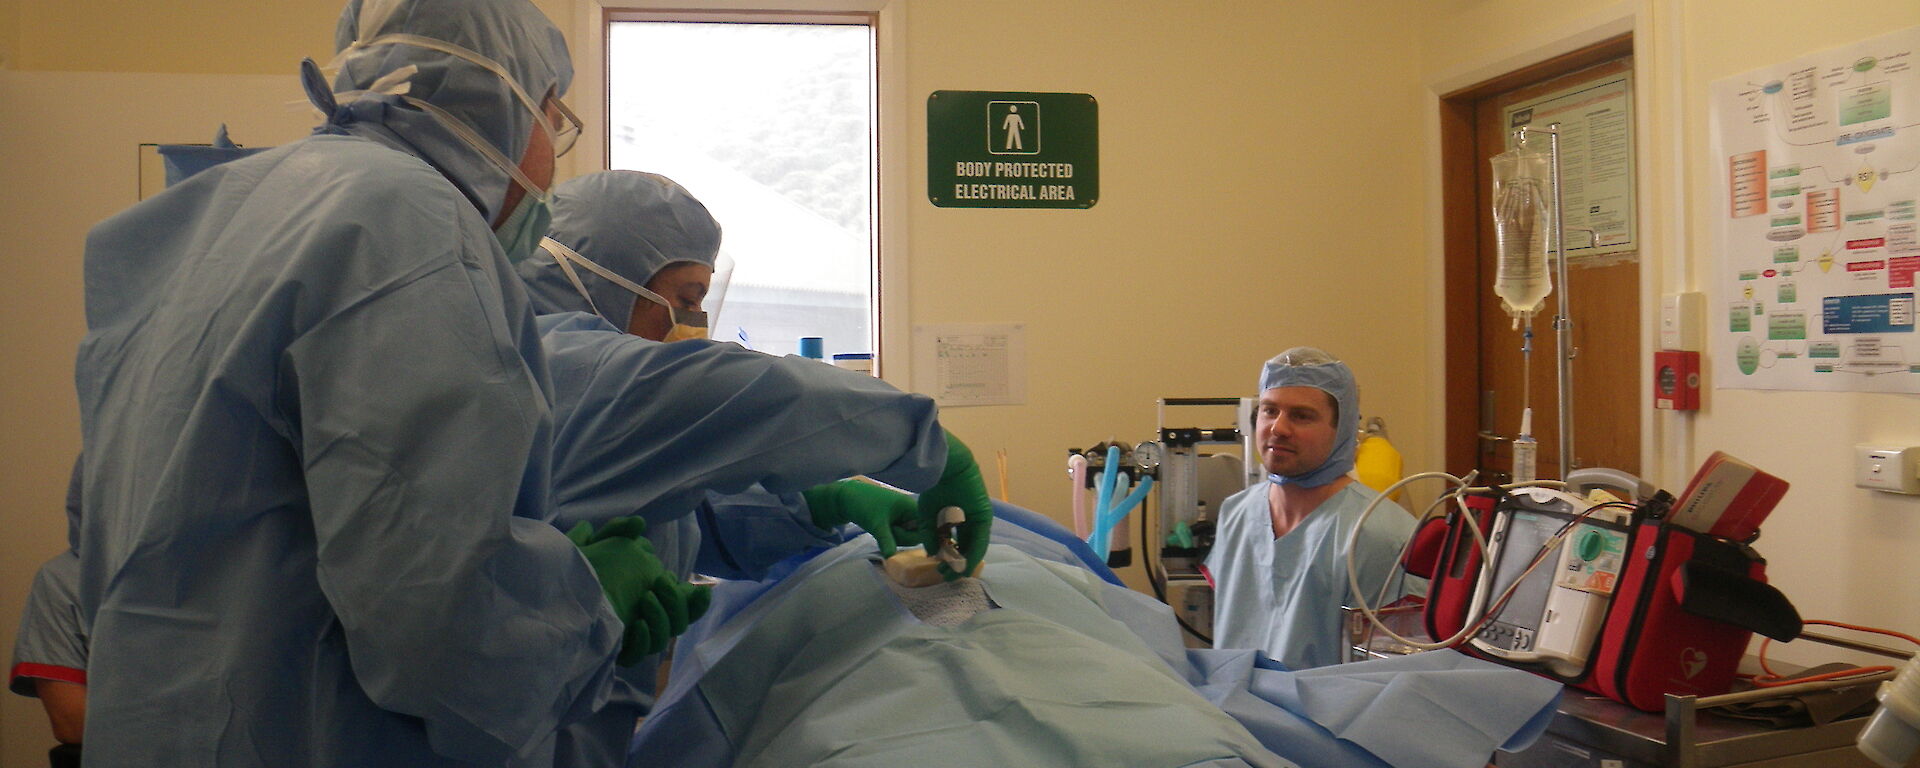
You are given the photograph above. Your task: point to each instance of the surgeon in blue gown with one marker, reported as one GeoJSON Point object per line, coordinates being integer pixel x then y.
{"type": "Point", "coordinates": [617, 230]}
{"type": "Point", "coordinates": [314, 412]}
{"type": "Point", "coordinates": [1278, 563]}
{"type": "Point", "coordinates": [712, 443]}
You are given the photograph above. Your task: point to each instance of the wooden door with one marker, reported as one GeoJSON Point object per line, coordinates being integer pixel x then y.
{"type": "Point", "coordinates": [1484, 361]}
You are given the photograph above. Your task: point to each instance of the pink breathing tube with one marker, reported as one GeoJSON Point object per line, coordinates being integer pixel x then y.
{"type": "Point", "coordinates": [1082, 519]}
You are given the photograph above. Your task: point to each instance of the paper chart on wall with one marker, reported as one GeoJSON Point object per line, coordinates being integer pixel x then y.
{"type": "Point", "coordinates": [971, 363]}
{"type": "Point", "coordinates": [1594, 120]}
{"type": "Point", "coordinates": [1818, 164]}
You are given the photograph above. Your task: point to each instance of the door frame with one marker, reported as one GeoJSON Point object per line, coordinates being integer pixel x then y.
{"type": "Point", "coordinates": [1458, 227]}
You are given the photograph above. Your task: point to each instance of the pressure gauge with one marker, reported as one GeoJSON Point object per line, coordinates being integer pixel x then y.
{"type": "Point", "coordinates": [1147, 455]}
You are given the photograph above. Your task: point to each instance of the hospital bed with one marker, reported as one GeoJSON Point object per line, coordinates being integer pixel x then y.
{"type": "Point", "coordinates": [1046, 659]}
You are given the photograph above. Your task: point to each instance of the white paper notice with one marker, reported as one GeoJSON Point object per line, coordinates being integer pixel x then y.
{"type": "Point", "coordinates": [971, 364]}
{"type": "Point", "coordinates": [1596, 160]}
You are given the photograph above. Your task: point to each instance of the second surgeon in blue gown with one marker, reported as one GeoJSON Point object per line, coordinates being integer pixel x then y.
{"type": "Point", "coordinates": [649, 231]}
{"type": "Point", "coordinates": [710, 442]}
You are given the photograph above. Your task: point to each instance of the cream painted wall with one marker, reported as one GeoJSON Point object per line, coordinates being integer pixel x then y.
{"type": "Point", "coordinates": [195, 36]}
{"type": "Point", "coordinates": [1836, 550]}
{"type": "Point", "coordinates": [1467, 34]}
{"type": "Point", "coordinates": [9, 31]}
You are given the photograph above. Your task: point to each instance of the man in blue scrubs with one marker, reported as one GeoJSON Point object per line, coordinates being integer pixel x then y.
{"type": "Point", "coordinates": [1278, 563]}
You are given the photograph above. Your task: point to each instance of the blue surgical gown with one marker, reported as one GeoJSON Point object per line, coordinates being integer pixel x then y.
{"type": "Point", "coordinates": [648, 428]}
{"type": "Point", "coordinates": [1283, 596]}
{"type": "Point", "coordinates": [711, 443]}
{"type": "Point", "coordinates": [315, 482]}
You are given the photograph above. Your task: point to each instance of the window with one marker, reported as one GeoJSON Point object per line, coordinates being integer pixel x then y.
{"type": "Point", "coordinates": [770, 122]}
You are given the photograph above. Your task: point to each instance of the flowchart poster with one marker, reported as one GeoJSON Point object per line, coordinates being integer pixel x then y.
{"type": "Point", "coordinates": [1817, 250]}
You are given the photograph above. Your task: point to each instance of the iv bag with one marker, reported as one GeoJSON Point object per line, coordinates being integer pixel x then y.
{"type": "Point", "coordinates": [1522, 218]}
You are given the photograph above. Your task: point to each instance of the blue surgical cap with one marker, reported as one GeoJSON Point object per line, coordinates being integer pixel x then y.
{"type": "Point", "coordinates": [512, 33]}
{"type": "Point", "coordinates": [1310, 367]}
{"type": "Point", "coordinates": [632, 223]}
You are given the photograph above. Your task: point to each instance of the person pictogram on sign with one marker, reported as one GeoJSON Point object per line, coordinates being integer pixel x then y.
{"type": "Point", "coordinates": [1013, 125]}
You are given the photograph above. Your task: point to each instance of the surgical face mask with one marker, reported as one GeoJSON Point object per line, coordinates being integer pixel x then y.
{"type": "Point", "coordinates": [522, 230]}
{"type": "Point", "coordinates": [682, 331]}
{"type": "Point", "coordinates": [687, 323]}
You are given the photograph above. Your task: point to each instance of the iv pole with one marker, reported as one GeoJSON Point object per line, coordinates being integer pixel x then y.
{"type": "Point", "coordinates": [1563, 314]}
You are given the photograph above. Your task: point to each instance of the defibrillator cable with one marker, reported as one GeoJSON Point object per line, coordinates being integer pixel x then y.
{"type": "Point", "coordinates": [1771, 679]}
{"type": "Point", "coordinates": [1461, 487]}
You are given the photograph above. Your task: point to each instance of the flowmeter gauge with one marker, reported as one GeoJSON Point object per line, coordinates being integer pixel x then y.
{"type": "Point", "coordinates": [1147, 456]}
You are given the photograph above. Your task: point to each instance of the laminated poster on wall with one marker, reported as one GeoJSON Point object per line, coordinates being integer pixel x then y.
{"type": "Point", "coordinates": [971, 363]}
{"type": "Point", "coordinates": [1595, 119]}
{"type": "Point", "coordinates": [1818, 172]}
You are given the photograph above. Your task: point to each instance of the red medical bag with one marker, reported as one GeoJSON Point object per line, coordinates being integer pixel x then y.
{"type": "Point", "coordinates": [1680, 618]}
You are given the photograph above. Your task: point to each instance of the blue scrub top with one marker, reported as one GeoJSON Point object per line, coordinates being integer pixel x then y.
{"type": "Point", "coordinates": [51, 644]}
{"type": "Point", "coordinates": [1283, 596]}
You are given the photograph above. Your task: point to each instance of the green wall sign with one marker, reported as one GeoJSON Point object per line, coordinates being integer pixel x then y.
{"type": "Point", "coordinates": [1001, 149]}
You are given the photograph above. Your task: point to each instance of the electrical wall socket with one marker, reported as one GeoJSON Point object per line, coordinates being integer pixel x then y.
{"type": "Point", "coordinates": [1881, 468]}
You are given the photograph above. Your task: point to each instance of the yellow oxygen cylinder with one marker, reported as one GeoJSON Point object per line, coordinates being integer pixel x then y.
{"type": "Point", "coordinates": [1378, 463]}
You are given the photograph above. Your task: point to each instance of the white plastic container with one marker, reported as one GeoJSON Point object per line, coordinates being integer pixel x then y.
{"type": "Point", "coordinates": [1892, 737]}
{"type": "Point", "coordinates": [1526, 451]}
{"type": "Point", "coordinates": [855, 361]}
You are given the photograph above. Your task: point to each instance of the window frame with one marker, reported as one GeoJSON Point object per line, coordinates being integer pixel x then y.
{"type": "Point", "coordinates": [891, 145]}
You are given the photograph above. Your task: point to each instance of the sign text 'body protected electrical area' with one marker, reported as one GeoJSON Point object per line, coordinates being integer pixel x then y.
{"type": "Point", "coordinates": [1001, 149]}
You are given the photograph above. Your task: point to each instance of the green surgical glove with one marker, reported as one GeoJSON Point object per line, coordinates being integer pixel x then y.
{"type": "Point", "coordinates": [891, 516]}
{"type": "Point", "coordinates": [652, 604]}
{"type": "Point", "coordinates": [960, 486]}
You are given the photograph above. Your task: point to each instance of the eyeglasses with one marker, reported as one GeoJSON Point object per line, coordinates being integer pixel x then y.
{"type": "Point", "coordinates": [566, 134]}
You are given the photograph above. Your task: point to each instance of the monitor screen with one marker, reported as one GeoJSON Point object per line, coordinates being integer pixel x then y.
{"type": "Point", "coordinates": [1526, 532]}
